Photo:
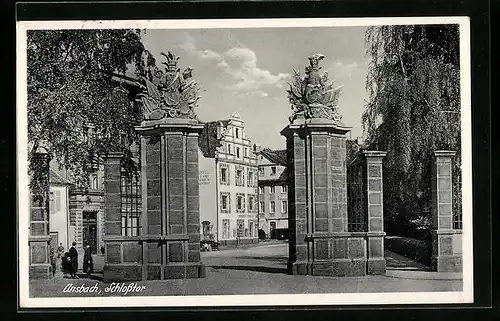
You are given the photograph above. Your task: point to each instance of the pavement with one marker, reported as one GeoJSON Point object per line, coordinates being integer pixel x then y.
{"type": "Point", "coordinates": [261, 269]}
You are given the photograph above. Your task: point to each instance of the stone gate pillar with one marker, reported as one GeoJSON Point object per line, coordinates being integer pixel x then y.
{"type": "Point", "coordinates": [170, 198]}
{"type": "Point", "coordinates": [39, 236]}
{"type": "Point", "coordinates": [374, 211]}
{"type": "Point", "coordinates": [446, 241]}
{"type": "Point", "coordinates": [123, 254]}
{"type": "Point", "coordinates": [320, 243]}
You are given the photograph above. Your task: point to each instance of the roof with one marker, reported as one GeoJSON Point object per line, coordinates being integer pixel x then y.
{"type": "Point", "coordinates": [56, 178]}
{"type": "Point", "coordinates": [275, 156]}
{"type": "Point", "coordinates": [283, 178]}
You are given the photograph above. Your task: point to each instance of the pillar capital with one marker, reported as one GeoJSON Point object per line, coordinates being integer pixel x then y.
{"type": "Point", "coordinates": [373, 154]}
{"type": "Point", "coordinates": [159, 127]}
{"type": "Point", "coordinates": [326, 126]}
{"type": "Point", "coordinates": [444, 154]}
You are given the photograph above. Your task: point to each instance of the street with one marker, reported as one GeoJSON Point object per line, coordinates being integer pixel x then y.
{"type": "Point", "coordinates": [261, 269]}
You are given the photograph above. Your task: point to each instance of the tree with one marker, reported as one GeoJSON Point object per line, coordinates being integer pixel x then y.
{"type": "Point", "coordinates": [414, 109]}
{"type": "Point", "coordinates": [75, 110]}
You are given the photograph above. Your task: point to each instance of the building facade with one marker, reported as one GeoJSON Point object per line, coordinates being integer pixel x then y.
{"type": "Point", "coordinates": [228, 183]}
{"type": "Point", "coordinates": [77, 215]}
{"type": "Point", "coordinates": [273, 191]}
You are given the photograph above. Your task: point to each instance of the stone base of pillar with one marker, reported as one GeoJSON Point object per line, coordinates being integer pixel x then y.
{"type": "Point", "coordinates": [40, 271]}
{"type": "Point", "coordinates": [447, 251]}
{"type": "Point", "coordinates": [448, 263]}
{"type": "Point", "coordinates": [185, 271]}
{"type": "Point", "coordinates": [299, 268]}
{"type": "Point", "coordinates": [121, 272]}
{"type": "Point", "coordinates": [376, 266]}
{"type": "Point", "coordinates": [338, 267]}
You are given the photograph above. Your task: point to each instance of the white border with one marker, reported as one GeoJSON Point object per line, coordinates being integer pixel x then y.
{"type": "Point", "coordinates": [466, 296]}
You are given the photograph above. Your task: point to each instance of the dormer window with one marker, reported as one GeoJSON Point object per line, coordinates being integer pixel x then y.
{"type": "Point", "coordinates": [237, 133]}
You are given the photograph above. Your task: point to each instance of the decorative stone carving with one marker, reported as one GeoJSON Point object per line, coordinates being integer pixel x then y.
{"type": "Point", "coordinates": [169, 94]}
{"type": "Point", "coordinates": [312, 96]}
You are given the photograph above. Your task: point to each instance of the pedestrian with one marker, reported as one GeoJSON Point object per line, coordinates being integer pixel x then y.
{"type": "Point", "coordinates": [88, 263]}
{"type": "Point", "coordinates": [60, 251]}
{"type": "Point", "coordinates": [73, 257]}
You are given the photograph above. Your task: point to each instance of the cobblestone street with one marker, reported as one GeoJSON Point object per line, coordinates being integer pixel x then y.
{"type": "Point", "coordinates": [261, 269]}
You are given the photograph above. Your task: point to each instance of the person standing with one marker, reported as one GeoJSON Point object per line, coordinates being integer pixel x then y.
{"type": "Point", "coordinates": [73, 256]}
{"type": "Point", "coordinates": [88, 263]}
{"type": "Point", "coordinates": [60, 257]}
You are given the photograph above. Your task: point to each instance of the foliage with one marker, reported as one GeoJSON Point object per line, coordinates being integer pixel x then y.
{"type": "Point", "coordinates": [414, 109]}
{"type": "Point", "coordinates": [75, 109]}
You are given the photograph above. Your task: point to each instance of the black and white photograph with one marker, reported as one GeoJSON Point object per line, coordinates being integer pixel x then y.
{"type": "Point", "coordinates": [232, 162]}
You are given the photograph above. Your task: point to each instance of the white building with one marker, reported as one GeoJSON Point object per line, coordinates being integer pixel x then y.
{"type": "Point", "coordinates": [273, 191]}
{"type": "Point", "coordinates": [228, 183]}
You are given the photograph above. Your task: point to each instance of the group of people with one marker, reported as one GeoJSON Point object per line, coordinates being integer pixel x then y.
{"type": "Point", "coordinates": [70, 260]}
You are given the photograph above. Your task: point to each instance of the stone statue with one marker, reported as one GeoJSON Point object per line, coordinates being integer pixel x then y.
{"type": "Point", "coordinates": [169, 94]}
{"type": "Point", "coordinates": [311, 96]}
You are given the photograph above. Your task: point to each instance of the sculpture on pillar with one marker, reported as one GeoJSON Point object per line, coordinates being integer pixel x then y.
{"type": "Point", "coordinates": [312, 96]}
{"type": "Point", "coordinates": [169, 94]}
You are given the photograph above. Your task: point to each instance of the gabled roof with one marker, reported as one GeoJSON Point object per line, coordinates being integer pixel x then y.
{"type": "Point", "coordinates": [56, 178]}
{"type": "Point", "coordinates": [275, 156]}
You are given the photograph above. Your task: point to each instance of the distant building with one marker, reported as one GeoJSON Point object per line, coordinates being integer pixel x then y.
{"type": "Point", "coordinates": [59, 187]}
{"type": "Point", "coordinates": [77, 215]}
{"type": "Point", "coordinates": [228, 183]}
{"type": "Point", "coordinates": [273, 190]}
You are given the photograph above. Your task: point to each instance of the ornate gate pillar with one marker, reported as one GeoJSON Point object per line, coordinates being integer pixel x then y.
{"type": "Point", "coordinates": [39, 236]}
{"type": "Point", "coordinates": [320, 243]}
{"type": "Point", "coordinates": [171, 218]}
{"type": "Point", "coordinates": [446, 241]}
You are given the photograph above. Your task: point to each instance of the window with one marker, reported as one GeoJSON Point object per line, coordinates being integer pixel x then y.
{"type": "Point", "coordinates": [240, 179]}
{"type": "Point", "coordinates": [94, 182]}
{"type": "Point", "coordinates": [131, 207]}
{"type": "Point", "coordinates": [261, 171]}
{"type": "Point", "coordinates": [237, 133]}
{"type": "Point", "coordinates": [250, 229]}
{"type": "Point", "coordinates": [250, 203]}
{"type": "Point", "coordinates": [240, 202]}
{"type": "Point", "coordinates": [229, 148]}
{"type": "Point", "coordinates": [261, 189]}
{"type": "Point", "coordinates": [272, 189]}
{"type": "Point", "coordinates": [262, 207]}
{"type": "Point", "coordinates": [241, 227]}
{"type": "Point", "coordinates": [225, 229]}
{"type": "Point", "coordinates": [250, 178]}
{"type": "Point", "coordinates": [224, 175]}
{"type": "Point", "coordinates": [283, 188]}
{"type": "Point", "coordinates": [237, 152]}
{"type": "Point", "coordinates": [284, 206]}
{"type": "Point", "coordinates": [205, 228]}
{"type": "Point", "coordinates": [225, 204]}
{"type": "Point", "coordinates": [272, 206]}
{"type": "Point", "coordinates": [273, 170]}
{"type": "Point", "coordinates": [246, 152]}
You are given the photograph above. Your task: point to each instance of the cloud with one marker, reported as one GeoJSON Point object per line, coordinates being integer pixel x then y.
{"type": "Point", "coordinates": [241, 65]}
{"type": "Point", "coordinates": [341, 69]}
{"type": "Point", "coordinates": [206, 54]}
{"type": "Point", "coordinates": [252, 93]}
{"type": "Point", "coordinates": [239, 69]}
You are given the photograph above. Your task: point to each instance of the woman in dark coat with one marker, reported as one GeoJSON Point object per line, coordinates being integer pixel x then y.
{"type": "Point", "coordinates": [88, 263]}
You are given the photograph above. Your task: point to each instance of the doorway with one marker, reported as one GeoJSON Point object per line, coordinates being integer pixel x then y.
{"type": "Point", "coordinates": [90, 230]}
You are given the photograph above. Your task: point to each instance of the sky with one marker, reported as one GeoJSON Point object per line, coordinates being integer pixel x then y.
{"type": "Point", "coordinates": [246, 70]}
